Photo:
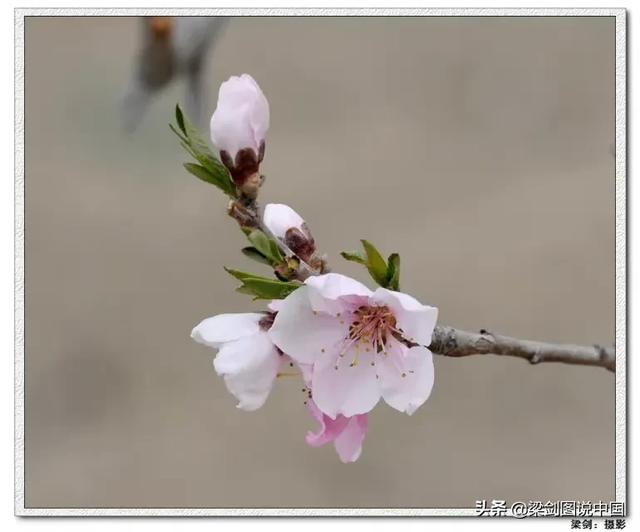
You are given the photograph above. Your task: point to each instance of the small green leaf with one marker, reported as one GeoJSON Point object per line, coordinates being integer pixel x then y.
{"type": "Point", "coordinates": [254, 254]}
{"type": "Point", "coordinates": [266, 246]}
{"type": "Point", "coordinates": [376, 264]}
{"type": "Point", "coordinates": [185, 145]}
{"type": "Point", "coordinates": [393, 272]}
{"type": "Point", "coordinates": [354, 256]}
{"type": "Point", "coordinates": [193, 142]}
{"type": "Point", "coordinates": [206, 175]}
{"type": "Point", "coordinates": [275, 250]}
{"type": "Point", "coordinates": [385, 274]}
{"type": "Point", "coordinates": [241, 276]}
{"type": "Point", "coordinates": [269, 288]}
{"type": "Point", "coordinates": [178, 134]}
{"type": "Point", "coordinates": [180, 118]}
{"type": "Point", "coordinates": [263, 287]}
{"type": "Point", "coordinates": [200, 172]}
{"type": "Point", "coordinates": [260, 242]}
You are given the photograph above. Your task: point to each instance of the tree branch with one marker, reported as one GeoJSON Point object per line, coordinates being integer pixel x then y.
{"type": "Point", "coordinates": [451, 342]}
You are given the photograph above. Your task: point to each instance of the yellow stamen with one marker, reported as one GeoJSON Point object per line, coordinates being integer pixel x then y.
{"type": "Point", "coordinates": [288, 374]}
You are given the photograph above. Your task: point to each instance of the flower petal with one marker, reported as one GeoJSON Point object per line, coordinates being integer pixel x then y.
{"type": "Point", "coordinates": [275, 305]}
{"type": "Point", "coordinates": [334, 293]}
{"type": "Point", "coordinates": [302, 333]}
{"type": "Point", "coordinates": [329, 428]}
{"type": "Point", "coordinates": [249, 366]}
{"type": "Point", "coordinates": [415, 319]}
{"type": "Point", "coordinates": [348, 390]}
{"type": "Point", "coordinates": [259, 114]}
{"type": "Point", "coordinates": [279, 218]}
{"type": "Point", "coordinates": [406, 377]}
{"type": "Point", "coordinates": [241, 118]}
{"type": "Point", "coordinates": [349, 442]}
{"type": "Point", "coordinates": [307, 372]}
{"type": "Point", "coordinates": [231, 130]}
{"type": "Point", "coordinates": [223, 328]}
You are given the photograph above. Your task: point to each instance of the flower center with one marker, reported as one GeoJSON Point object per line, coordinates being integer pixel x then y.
{"type": "Point", "coordinates": [372, 327]}
{"type": "Point", "coordinates": [370, 330]}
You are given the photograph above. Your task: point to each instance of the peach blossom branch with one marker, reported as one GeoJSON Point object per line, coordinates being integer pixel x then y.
{"type": "Point", "coordinates": [451, 342]}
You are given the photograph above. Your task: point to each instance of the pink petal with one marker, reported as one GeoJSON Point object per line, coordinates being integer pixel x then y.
{"type": "Point", "coordinates": [416, 320]}
{"type": "Point", "coordinates": [335, 293]}
{"type": "Point", "coordinates": [329, 429]}
{"type": "Point", "coordinates": [348, 390]}
{"type": "Point", "coordinates": [347, 433]}
{"type": "Point", "coordinates": [349, 442]}
{"type": "Point", "coordinates": [406, 393]}
{"type": "Point", "coordinates": [275, 305]}
{"type": "Point", "coordinates": [302, 333]}
{"type": "Point", "coordinates": [223, 328]}
{"type": "Point", "coordinates": [231, 130]}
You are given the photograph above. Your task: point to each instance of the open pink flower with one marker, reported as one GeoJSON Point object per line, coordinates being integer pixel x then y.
{"type": "Point", "coordinates": [346, 433]}
{"type": "Point", "coordinates": [247, 359]}
{"type": "Point", "coordinates": [362, 345]}
{"type": "Point", "coordinates": [241, 118]}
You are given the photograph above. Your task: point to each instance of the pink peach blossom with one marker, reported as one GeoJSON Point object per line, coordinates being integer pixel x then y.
{"type": "Point", "coordinates": [361, 345]}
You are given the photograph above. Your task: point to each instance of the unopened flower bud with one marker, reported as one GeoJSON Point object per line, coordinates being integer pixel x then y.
{"type": "Point", "coordinates": [238, 128]}
{"type": "Point", "coordinates": [289, 227]}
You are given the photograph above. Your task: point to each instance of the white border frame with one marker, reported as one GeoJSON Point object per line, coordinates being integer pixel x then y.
{"type": "Point", "coordinates": [620, 250]}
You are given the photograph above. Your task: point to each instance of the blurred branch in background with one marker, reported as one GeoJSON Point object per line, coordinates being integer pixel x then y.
{"type": "Point", "coordinates": [170, 48]}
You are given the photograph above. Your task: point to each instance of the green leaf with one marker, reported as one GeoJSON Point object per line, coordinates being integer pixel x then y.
{"type": "Point", "coordinates": [376, 264]}
{"type": "Point", "coordinates": [260, 242]}
{"type": "Point", "coordinates": [269, 288]}
{"type": "Point", "coordinates": [263, 287]}
{"type": "Point", "coordinates": [202, 173]}
{"type": "Point", "coordinates": [178, 134]}
{"type": "Point", "coordinates": [354, 256]}
{"type": "Point", "coordinates": [275, 251]}
{"type": "Point", "coordinates": [180, 118]}
{"type": "Point", "coordinates": [385, 274]}
{"type": "Point", "coordinates": [241, 276]}
{"type": "Point", "coordinates": [193, 142]}
{"type": "Point", "coordinates": [266, 246]}
{"type": "Point", "coordinates": [393, 272]}
{"type": "Point", "coordinates": [254, 254]}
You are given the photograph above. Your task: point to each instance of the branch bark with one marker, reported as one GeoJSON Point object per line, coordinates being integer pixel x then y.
{"type": "Point", "coordinates": [451, 342]}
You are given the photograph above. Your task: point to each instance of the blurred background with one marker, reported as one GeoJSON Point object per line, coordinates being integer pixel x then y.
{"type": "Point", "coordinates": [480, 149]}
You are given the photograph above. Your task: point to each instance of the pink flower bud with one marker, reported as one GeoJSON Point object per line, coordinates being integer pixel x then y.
{"type": "Point", "coordinates": [289, 227]}
{"type": "Point", "coordinates": [239, 126]}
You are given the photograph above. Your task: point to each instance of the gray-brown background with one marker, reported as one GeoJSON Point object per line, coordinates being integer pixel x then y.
{"type": "Point", "coordinates": [480, 149]}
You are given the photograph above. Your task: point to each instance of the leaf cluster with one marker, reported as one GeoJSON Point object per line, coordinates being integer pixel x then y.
{"type": "Point", "coordinates": [208, 167]}
{"type": "Point", "coordinates": [384, 272]}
